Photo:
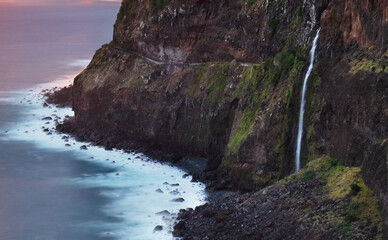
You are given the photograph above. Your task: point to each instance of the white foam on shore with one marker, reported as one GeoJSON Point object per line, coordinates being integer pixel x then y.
{"type": "Point", "coordinates": [138, 187]}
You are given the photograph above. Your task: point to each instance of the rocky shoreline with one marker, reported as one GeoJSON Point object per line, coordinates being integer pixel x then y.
{"type": "Point", "coordinates": [301, 206]}
{"type": "Point", "coordinates": [315, 203]}
{"type": "Point", "coordinates": [221, 80]}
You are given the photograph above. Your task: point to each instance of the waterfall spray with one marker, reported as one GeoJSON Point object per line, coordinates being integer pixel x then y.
{"type": "Point", "coordinates": [302, 103]}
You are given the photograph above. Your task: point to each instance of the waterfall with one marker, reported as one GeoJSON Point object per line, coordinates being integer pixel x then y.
{"type": "Point", "coordinates": [303, 101]}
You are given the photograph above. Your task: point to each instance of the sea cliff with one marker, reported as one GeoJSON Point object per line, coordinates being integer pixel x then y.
{"type": "Point", "coordinates": [222, 79]}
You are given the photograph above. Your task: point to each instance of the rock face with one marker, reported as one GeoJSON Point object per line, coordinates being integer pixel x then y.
{"type": "Point", "coordinates": [216, 79]}
{"type": "Point", "coordinates": [221, 79]}
{"type": "Point", "coordinates": [348, 111]}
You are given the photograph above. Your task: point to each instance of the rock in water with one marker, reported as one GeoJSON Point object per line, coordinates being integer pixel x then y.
{"type": "Point", "coordinates": [178, 200]}
{"type": "Point", "coordinates": [158, 228]}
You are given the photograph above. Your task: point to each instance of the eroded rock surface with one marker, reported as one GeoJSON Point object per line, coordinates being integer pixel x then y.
{"type": "Point", "coordinates": [222, 79]}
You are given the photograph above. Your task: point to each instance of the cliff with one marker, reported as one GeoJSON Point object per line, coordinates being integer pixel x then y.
{"type": "Point", "coordinates": [221, 80]}
{"type": "Point", "coordinates": [216, 79]}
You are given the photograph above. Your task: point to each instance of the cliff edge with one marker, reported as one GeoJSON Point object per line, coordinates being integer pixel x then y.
{"type": "Point", "coordinates": [222, 79]}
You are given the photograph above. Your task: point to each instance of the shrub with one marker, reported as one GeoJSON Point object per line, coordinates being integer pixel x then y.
{"type": "Point", "coordinates": [333, 162]}
{"type": "Point", "coordinates": [355, 188]}
{"type": "Point", "coordinates": [308, 175]}
{"type": "Point", "coordinates": [344, 227]}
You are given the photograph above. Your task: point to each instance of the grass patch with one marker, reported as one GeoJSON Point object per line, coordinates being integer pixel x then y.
{"type": "Point", "coordinates": [308, 175]}
{"type": "Point", "coordinates": [217, 83]}
{"type": "Point", "coordinates": [373, 66]}
{"type": "Point", "coordinates": [346, 183]}
{"type": "Point", "coordinates": [211, 80]}
{"type": "Point", "coordinates": [344, 227]}
{"type": "Point", "coordinates": [244, 127]}
{"type": "Point", "coordinates": [346, 187]}
{"type": "Point", "coordinates": [258, 80]}
{"type": "Point", "coordinates": [282, 65]}
{"type": "Point", "coordinates": [297, 16]}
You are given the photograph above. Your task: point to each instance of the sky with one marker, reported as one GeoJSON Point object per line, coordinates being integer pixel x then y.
{"type": "Point", "coordinates": [54, 2]}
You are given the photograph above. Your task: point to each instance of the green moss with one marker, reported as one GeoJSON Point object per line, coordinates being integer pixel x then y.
{"type": "Point", "coordinates": [374, 66]}
{"type": "Point", "coordinates": [308, 175]}
{"type": "Point", "coordinates": [258, 80]}
{"type": "Point", "coordinates": [257, 86]}
{"type": "Point", "coordinates": [287, 61]}
{"type": "Point", "coordinates": [309, 131]}
{"type": "Point", "coordinates": [217, 82]}
{"type": "Point", "coordinates": [297, 16]}
{"type": "Point", "coordinates": [344, 227]}
{"type": "Point", "coordinates": [157, 5]}
{"type": "Point", "coordinates": [211, 80]}
{"type": "Point", "coordinates": [252, 86]}
{"type": "Point", "coordinates": [308, 210]}
{"type": "Point", "coordinates": [333, 162]}
{"type": "Point", "coordinates": [201, 73]}
{"type": "Point", "coordinates": [341, 184]}
{"type": "Point", "coordinates": [244, 127]}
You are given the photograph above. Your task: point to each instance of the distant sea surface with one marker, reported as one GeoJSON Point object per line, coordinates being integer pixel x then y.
{"type": "Point", "coordinates": [50, 189]}
{"type": "Point", "coordinates": [40, 43]}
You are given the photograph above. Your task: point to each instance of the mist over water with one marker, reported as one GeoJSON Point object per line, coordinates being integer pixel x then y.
{"type": "Point", "coordinates": [50, 189]}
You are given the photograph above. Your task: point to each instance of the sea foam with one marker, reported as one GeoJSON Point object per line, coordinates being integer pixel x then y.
{"type": "Point", "coordinates": [138, 187]}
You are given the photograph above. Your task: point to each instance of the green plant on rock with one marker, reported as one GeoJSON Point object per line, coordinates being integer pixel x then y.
{"type": "Point", "coordinates": [344, 227]}
{"type": "Point", "coordinates": [258, 80]}
{"type": "Point", "coordinates": [244, 127]}
{"type": "Point", "coordinates": [283, 64]}
{"type": "Point", "coordinates": [366, 65]}
{"type": "Point", "coordinates": [308, 175]}
{"type": "Point", "coordinates": [217, 83]}
{"type": "Point", "coordinates": [332, 161]}
{"type": "Point", "coordinates": [341, 181]}
{"type": "Point", "coordinates": [211, 81]}
{"type": "Point", "coordinates": [297, 16]}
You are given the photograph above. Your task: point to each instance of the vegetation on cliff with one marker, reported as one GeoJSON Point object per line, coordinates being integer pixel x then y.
{"type": "Point", "coordinates": [221, 79]}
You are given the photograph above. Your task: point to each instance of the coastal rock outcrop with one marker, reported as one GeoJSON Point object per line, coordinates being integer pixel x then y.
{"type": "Point", "coordinates": [221, 80]}
{"type": "Point", "coordinates": [215, 79]}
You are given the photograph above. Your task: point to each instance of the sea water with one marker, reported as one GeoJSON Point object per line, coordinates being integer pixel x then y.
{"type": "Point", "coordinates": [50, 189]}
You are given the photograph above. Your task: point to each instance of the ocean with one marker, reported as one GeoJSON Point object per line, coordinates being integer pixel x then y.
{"type": "Point", "coordinates": [51, 189]}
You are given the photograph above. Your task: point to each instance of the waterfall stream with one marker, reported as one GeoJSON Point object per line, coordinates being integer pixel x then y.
{"type": "Point", "coordinates": [302, 103]}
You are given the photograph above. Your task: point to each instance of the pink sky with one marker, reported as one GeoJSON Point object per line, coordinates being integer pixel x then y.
{"type": "Point", "coordinates": [54, 2]}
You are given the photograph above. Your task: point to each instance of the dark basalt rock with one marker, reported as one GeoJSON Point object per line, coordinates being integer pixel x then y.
{"type": "Point", "coordinates": [158, 228]}
{"type": "Point", "coordinates": [221, 80]}
{"type": "Point", "coordinates": [179, 229]}
{"type": "Point", "coordinates": [178, 200]}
